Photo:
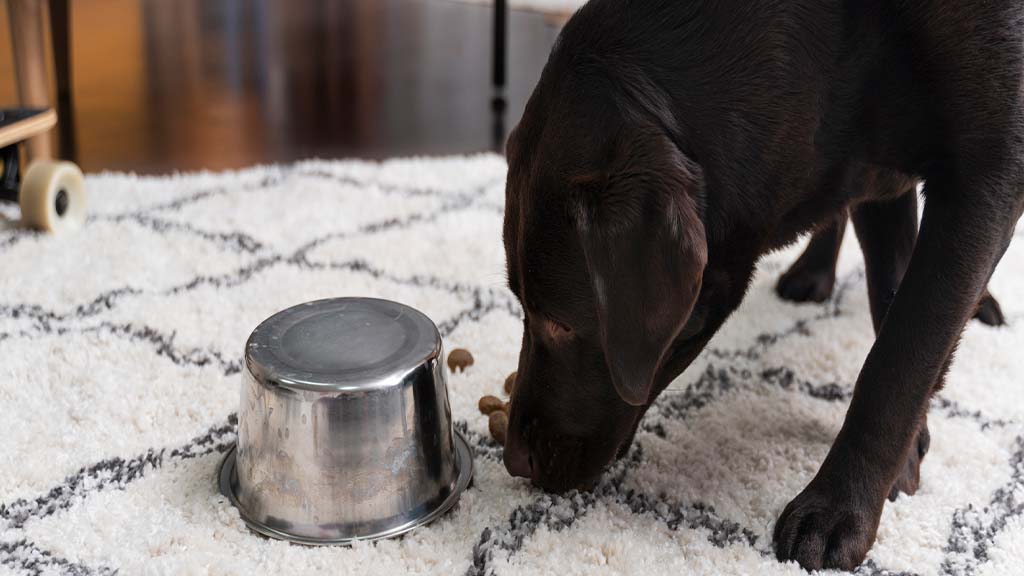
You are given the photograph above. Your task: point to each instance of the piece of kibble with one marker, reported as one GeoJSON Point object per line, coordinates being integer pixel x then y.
{"type": "Point", "coordinates": [459, 359]}
{"type": "Point", "coordinates": [490, 404]}
{"type": "Point", "coordinates": [510, 383]}
{"type": "Point", "coordinates": [498, 424]}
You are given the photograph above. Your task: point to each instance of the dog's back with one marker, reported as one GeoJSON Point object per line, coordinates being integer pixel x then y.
{"type": "Point", "coordinates": [801, 96]}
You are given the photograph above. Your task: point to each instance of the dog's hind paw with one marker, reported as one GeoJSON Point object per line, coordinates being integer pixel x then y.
{"type": "Point", "coordinates": [803, 283]}
{"type": "Point", "coordinates": [988, 311]}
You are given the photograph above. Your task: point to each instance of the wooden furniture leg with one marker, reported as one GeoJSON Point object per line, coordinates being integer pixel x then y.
{"type": "Point", "coordinates": [26, 21]}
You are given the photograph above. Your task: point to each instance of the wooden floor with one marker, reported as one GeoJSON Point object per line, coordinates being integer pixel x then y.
{"type": "Point", "coordinates": [161, 85]}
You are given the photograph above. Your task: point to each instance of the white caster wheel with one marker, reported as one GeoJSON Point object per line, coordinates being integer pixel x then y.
{"type": "Point", "coordinates": [52, 197]}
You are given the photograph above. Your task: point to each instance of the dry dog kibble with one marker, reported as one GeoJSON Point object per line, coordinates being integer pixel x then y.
{"type": "Point", "coordinates": [498, 424]}
{"type": "Point", "coordinates": [460, 359]}
{"type": "Point", "coordinates": [490, 405]}
{"type": "Point", "coordinates": [510, 383]}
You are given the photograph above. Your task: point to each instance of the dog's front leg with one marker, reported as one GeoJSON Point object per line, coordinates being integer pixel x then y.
{"type": "Point", "coordinates": [832, 523]}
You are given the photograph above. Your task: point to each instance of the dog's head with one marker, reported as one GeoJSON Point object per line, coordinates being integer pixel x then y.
{"type": "Point", "coordinates": [606, 252]}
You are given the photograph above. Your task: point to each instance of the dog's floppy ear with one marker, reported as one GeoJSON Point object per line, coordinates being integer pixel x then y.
{"type": "Point", "coordinates": [645, 246]}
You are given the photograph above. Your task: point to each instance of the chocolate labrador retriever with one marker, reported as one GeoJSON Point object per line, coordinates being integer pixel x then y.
{"type": "Point", "coordinates": [669, 145]}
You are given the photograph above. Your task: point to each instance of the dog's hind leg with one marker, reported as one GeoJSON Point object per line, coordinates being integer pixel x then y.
{"type": "Point", "coordinates": [887, 231]}
{"type": "Point", "coordinates": [813, 276]}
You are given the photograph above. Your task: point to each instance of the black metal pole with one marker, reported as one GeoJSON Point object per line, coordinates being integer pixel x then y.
{"type": "Point", "coordinates": [500, 42]}
{"type": "Point", "coordinates": [499, 76]}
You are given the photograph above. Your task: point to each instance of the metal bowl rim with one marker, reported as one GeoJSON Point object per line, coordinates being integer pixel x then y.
{"type": "Point", "coordinates": [305, 382]}
{"type": "Point", "coordinates": [463, 460]}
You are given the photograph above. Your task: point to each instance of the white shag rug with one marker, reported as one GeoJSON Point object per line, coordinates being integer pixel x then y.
{"type": "Point", "coordinates": [119, 359]}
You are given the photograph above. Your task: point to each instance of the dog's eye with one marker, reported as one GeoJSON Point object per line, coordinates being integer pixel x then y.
{"type": "Point", "coordinates": [556, 329]}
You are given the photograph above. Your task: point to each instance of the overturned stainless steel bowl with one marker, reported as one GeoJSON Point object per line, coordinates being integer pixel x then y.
{"type": "Point", "coordinates": [344, 430]}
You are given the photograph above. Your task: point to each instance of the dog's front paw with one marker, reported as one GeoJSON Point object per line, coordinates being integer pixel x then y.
{"type": "Point", "coordinates": [820, 530]}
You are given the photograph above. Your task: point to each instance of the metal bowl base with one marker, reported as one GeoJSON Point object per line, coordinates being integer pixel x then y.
{"type": "Point", "coordinates": [464, 460]}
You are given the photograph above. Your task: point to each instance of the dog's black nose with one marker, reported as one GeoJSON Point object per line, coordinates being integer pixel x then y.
{"type": "Point", "coordinates": [517, 449]}
{"type": "Point", "coordinates": [517, 458]}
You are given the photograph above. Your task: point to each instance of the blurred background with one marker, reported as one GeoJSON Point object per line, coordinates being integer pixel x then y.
{"type": "Point", "coordinates": [158, 86]}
